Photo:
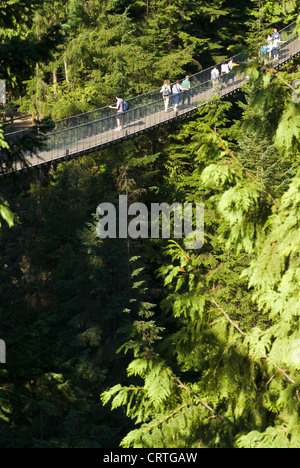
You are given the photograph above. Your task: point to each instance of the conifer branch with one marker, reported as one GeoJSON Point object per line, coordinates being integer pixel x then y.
{"type": "Point", "coordinates": [165, 418]}
{"type": "Point", "coordinates": [222, 418]}
{"type": "Point", "coordinates": [272, 71]}
{"type": "Point", "coordinates": [232, 155]}
{"type": "Point", "coordinates": [282, 430]}
{"type": "Point", "coordinates": [229, 319]}
{"type": "Point", "coordinates": [214, 412]}
{"type": "Point", "coordinates": [224, 352]}
{"type": "Point", "coordinates": [266, 357]}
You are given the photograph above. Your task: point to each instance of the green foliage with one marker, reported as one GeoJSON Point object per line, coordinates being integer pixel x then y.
{"type": "Point", "coordinates": [232, 346]}
{"type": "Point", "coordinates": [5, 212]}
{"type": "Point", "coordinates": [189, 348]}
{"type": "Point", "coordinates": [126, 47]}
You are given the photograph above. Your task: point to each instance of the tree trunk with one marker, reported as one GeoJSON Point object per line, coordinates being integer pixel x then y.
{"type": "Point", "coordinates": [66, 72]}
{"type": "Point", "coordinates": [54, 79]}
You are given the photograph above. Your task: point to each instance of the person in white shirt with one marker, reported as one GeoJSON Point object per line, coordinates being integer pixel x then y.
{"type": "Point", "coordinates": [215, 77]}
{"type": "Point", "coordinates": [225, 72]}
{"type": "Point", "coordinates": [166, 93]}
{"type": "Point", "coordinates": [176, 90]}
{"type": "Point", "coordinates": [270, 45]}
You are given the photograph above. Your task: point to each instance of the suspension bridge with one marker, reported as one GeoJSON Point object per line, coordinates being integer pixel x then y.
{"type": "Point", "coordinates": [91, 131]}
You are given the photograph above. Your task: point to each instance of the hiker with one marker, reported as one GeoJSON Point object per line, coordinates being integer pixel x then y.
{"type": "Point", "coordinates": [276, 47]}
{"type": "Point", "coordinates": [264, 51]}
{"type": "Point", "coordinates": [166, 93]}
{"type": "Point", "coordinates": [225, 72]}
{"type": "Point", "coordinates": [215, 77]}
{"type": "Point", "coordinates": [120, 110]}
{"type": "Point", "coordinates": [276, 35]}
{"type": "Point", "coordinates": [176, 90]}
{"type": "Point", "coordinates": [186, 85]}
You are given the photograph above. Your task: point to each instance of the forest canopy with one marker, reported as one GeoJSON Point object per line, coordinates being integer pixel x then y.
{"type": "Point", "coordinates": [143, 343]}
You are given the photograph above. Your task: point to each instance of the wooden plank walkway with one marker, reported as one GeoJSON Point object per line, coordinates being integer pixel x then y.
{"type": "Point", "coordinates": [136, 127]}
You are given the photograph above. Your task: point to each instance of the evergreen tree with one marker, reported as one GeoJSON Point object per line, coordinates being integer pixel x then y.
{"type": "Point", "coordinates": [232, 351]}
{"type": "Point", "coordinates": [127, 47]}
{"type": "Point", "coordinates": [62, 347]}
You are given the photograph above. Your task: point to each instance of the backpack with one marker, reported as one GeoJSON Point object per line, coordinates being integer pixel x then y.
{"type": "Point", "coordinates": [165, 91]}
{"type": "Point", "coordinates": [125, 106]}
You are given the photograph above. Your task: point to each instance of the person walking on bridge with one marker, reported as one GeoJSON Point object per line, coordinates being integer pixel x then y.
{"type": "Point", "coordinates": [176, 90]}
{"type": "Point", "coordinates": [215, 76]}
{"type": "Point", "coordinates": [270, 45]}
{"type": "Point", "coordinates": [276, 44]}
{"type": "Point", "coordinates": [225, 72]}
{"type": "Point", "coordinates": [166, 93]}
{"type": "Point", "coordinates": [120, 110]}
{"type": "Point", "coordinates": [231, 65]}
{"type": "Point", "coordinates": [276, 35]}
{"type": "Point", "coordinates": [276, 48]}
{"type": "Point", "coordinates": [186, 87]}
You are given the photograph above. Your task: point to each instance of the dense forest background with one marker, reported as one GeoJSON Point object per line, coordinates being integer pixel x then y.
{"type": "Point", "coordinates": [143, 343]}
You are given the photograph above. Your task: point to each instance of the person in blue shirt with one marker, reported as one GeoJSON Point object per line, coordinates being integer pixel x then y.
{"type": "Point", "coordinates": [264, 51]}
{"type": "Point", "coordinates": [276, 35]}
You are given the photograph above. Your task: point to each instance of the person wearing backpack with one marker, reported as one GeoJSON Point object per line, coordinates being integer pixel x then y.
{"type": "Point", "coordinates": [120, 110]}
{"type": "Point", "coordinates": [166, 93]}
